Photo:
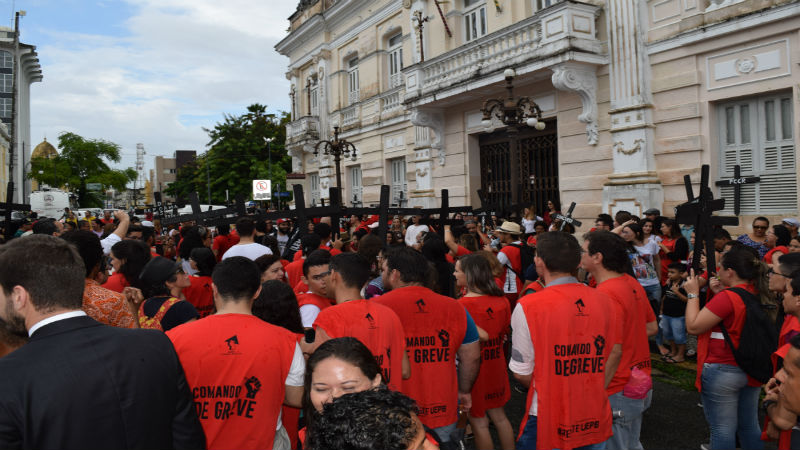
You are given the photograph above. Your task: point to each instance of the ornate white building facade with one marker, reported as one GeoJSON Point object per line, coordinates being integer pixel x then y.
{"type": "Point", "coordinates": [634, 95]}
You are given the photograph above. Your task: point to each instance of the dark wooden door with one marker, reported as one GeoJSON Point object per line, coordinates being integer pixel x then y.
{"type": "Point", "coordinates": [538, 170]}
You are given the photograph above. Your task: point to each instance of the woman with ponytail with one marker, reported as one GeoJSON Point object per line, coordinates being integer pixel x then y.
{"type": "Point", "coordinates": [730, 396]}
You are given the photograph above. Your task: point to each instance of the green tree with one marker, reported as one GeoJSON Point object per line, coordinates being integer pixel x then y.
{"type": "Point", "coordinates": [82, 161]}
{"type": "Point", "coordinates": [238, 154]}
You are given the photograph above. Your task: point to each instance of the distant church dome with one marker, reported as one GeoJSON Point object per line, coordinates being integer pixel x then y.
{"type": "Point", "coordinates": [44, 150]}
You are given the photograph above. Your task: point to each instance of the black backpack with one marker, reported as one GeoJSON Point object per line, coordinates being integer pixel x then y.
{"type": "Point", "coordinates": [526, 255]}
{"type": "Point", "coordinates": [758, 339]}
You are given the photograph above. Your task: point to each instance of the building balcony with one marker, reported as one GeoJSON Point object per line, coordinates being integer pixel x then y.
{"type": "Point", "coordinates": [302, 130]}
{"type": "Point", "coordinates": [561, 32]}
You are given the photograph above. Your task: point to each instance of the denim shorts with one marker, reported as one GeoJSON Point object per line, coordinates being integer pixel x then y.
{"type": "Point", "coordinates": [674, 329]}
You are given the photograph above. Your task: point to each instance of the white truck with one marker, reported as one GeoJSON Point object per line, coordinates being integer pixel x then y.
{"type": "Point", "coordinates": [49, 202]}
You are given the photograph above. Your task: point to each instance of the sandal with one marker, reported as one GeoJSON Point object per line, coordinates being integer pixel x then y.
{"type": "Point", "coordinates": [668, 359]}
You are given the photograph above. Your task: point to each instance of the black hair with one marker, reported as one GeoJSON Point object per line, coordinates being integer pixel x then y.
{"type": "Point", "coordinates": [264, 262]}
{"type": "Point", "coordinates": [237, 278]}
{"type": "Point", "coordinates": [370, 419]}
{"type": "Point", "coordinates": [347, 349]}
{"type": "Point", "coordinates": [223, 229]}
{"type": "Point", "coordinates": [277, 304]}
{"type": "Point", "coordinates": [135, 229]}
{"type": "Point", "coordinates": [435, 251]}
{"type": "Point", "coordinates": [88, 246]}
{"type": "Point", "coordinates": [318, 257]}
{"type": "Point", "coordinates": [369, 247]}
{"type": "Point", "coordinates": [352, 267]}
{"type": "Point", "coordinates": [135, 255]}
{"type": "Point", "coordinates": [413, 267]}
{"type": "Point", "coordinates": [261, 225]}
{"type": "Point", "coordinates": [556, 203]}
{"type": "Point", "coordinates": [323, 230]}
{"type": "Point", "coordinates": [45, 226]}
{"type": "Point", "coordinates": [192, 239]}
{"type": "Point", "coordinates": [622, 216]}
{"type": "Point", "coordinates": [205, 260]}
{"type": "Point", "coordinates": [606, 219]}
{"type": "Point", "coordinates": [795, 284]}
{"type": "Point", "coordinates": [540, 223]}
{"type": "Point", "coordinates": [746, 262]}
{"type": "Point", "coordinates": [674, 230]}
{"type": "Point", "coordinates": [789, 263]}
{"type": "Point", "coordinates": [245, 227]}
{"type": "Point", "coordinates": [147, 233]}
{"type": "Point", "coordinates": [309, 243]}
{"type": "Point", "coordinates": [761, 219]}
{"type": "Point", "coordinates": [783, 235]}
{"type": "Point", "coordinates": [679, 266]}
{"type": "Point", "coordinates": [638, 232]}
{"type": "Point", "coordinates": [49, 268]}
{"type": "Point", "coordinates": [613, 248]}
{"type": "Point", "coordinates": [560, 251]}
{"type": "Point", "coordinates": [721, 233]}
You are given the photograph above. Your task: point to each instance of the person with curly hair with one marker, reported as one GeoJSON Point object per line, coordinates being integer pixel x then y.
{"type": "Point", "coordinates": [375, 418]}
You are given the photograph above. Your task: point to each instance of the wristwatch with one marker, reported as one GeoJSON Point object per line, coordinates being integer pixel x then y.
{"type": "Point", "coordinates": [691, 296]}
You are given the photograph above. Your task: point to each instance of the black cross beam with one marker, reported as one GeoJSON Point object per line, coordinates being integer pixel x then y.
{"type": "Point", "coordinates": [336, 202]}
{"type": "Point", "coordinates": [9, 207]}
{"type": "Point", "coordinates": [486, 209]}
{"type": "Point", "coordinates": [698, 211]}
{"type": "Point", "coordinates": [737, 181]}
{"type": "Point", "coordinates": [201, 217]}
{"type": "Point", "coordinates": [567, 219]}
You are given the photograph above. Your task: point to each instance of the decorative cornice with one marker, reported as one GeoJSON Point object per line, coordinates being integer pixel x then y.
{"type": "Point", "coordinates": [582, 79]}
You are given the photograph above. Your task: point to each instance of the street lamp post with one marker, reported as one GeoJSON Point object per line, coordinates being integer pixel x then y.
{"type": "Point", "coordinates": [513, 112]}
{"type": "Point", "coordinates": [337, 147]}
{"type": "Point", "coordinates": [268, 140]}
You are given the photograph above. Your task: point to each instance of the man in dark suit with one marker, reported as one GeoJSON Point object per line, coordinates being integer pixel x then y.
{"type": "Point", "coordinates": [78, 383]}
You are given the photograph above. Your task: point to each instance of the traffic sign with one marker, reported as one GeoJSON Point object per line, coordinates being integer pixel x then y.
{"type": "Point", "coordinates": [262, 190]}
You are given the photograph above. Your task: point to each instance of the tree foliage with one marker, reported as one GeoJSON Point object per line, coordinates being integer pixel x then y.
{"type": "Point", "coordinates": [238, 154]}
{"type": "Point", "coordinates": [79, 162]}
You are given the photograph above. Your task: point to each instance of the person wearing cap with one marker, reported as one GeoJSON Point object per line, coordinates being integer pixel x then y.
{"type": "Point", "coordinates": [792, 224]}
{"type": "Point", "coordinates": [509, 256]}
{"type": "Point", "coordinates": [162, 281]}
{"type": "Point", "coordinates": [652, 213]}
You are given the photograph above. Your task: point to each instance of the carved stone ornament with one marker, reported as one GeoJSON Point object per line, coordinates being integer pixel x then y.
{"type": "Point", "coordinates": [422, 172]}
{"type": "Point", "coordinates": [619, 146]}
{"type": "Point", "coordinates": [406, 4]}
{"type": "Point", "coordinates": [581, 79]}
{"type": "Point", "coordinates": [745, 65]}
{"type": "Point", "coordinates": [433, 119]}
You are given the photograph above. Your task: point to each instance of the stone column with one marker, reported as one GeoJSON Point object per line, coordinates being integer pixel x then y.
{"type": "Point", "coordinates": [634, 186]}
{"type": "Point", "coordinates": [425, 149]}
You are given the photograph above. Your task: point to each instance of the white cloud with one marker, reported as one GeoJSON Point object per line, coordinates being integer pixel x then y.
{"type": "Point", "coordinates": [179, 65]}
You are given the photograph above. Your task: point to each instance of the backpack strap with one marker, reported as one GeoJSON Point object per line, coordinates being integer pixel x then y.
{"type": "Point", "coordinates": [746, 296]}
{"type": "Point", "coordinates": [155, 321]}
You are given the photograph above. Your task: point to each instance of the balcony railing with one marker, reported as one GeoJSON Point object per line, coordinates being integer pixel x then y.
{"type": "Point", "coordinates": [392, 100]}
{"type": "Point", "coordinates": [396, 79]}
{"type": "Point", "coordinates": [352, 97]}
{"type": "Point", "coordinates": [565, 25]}
{"type": "Point", "coordinates": [349, 115]}
{"type": "Point", "coordinates": [304, 128]}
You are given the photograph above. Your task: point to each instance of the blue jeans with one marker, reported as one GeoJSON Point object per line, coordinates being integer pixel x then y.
{"type": "Point", "coordinates": [528, 439]}
{"type": "Point", "coordinates": [445, 435]}
{"type": "Point", "coordinates": [674, 329]}
{"type": "Point", "coordinates": [730, 407]}
{"type": "Point", "coordinates": [654, 295]}
{"type": "Point", "coordinates": [628, 423]}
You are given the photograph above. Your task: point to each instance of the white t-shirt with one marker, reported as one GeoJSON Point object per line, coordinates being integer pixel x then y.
{"type": "Point", "coordinates": [252, 251]}
{"type": "Point", "coordinates": [412, 231]}
{"type": "Point", "coordinates": [308, 314]}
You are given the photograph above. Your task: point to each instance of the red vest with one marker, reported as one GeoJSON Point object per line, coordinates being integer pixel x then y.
{"type": "Point", "coordinates": [313, 299]}
{"type": "Point", "coordinates": [513, 255]}
{"type": "Point", "coordinates": [572, 329]}
{"type": "Point", "coordinates": [375, 325]}
{"type": "Point", "coordinates": [294, 272]}
{"type": "Point", "coordinates": [200, 295]}
{"type": "Point", "coordinates": [236, 366]}
{"type": "Point", "coordinates": [434, 327]}
{"type": "Point", "coordinates": [491, 389]}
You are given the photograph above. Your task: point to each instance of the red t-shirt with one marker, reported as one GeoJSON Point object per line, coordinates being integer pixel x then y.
{"type": "Point", "coordinates": [635, 313]}
{"type": "Point", "coordinates": [718, 350]}
{"type": "Point", "coordinates": [116, 282]}
{"type": "Point", "coordinates": [200, 295]}
{"type": "Point", "coordinates": [236, 366]}
{"type": "Point", "coordinates": [294, 272]}
{"type": "Point", "coordinates": [768, 256]}
{"type": "Point", "coordinates": [309, 298]}
{"type": "Point", "coordinates": [434, 327]}
{"type": "Point", "coordinates": [376, 326]}
{"type": "Point", "coordinates": [222, 244]}
{"type": "Point", "coordinates": [491, 389]}
{"type": "Point", "coordinates": [461, 251]}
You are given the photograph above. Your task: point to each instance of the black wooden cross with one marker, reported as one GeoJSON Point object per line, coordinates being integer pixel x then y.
{"type": "Point", "coordinates": [200, 217]}
{"type": "Point", "coordinates": [9, 207]}
{"type": "Point", "coordinates": [567, 219]}
{"type": "Point", "coordinates": [737, 181]}
{"type": "Point", "coordinates": [486, 209]}
{"type": "Point", "coordinates": [698, 211]}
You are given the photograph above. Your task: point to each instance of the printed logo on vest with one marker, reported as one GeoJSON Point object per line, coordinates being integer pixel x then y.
{"type": "Point", "coordinates": [371, 321]}
{"type": "Point", "coordinates": [444, 336]}
{"type": "Point", "coordinates": [233, 345]}
{"type": "Point", "coordinates": [421, 306]}
{"type": "Point", "coordinates": [253, 385]}
{"type": "Point", "coordinates": [580, 305]}
{"type": "Point", "coordinates": [490, 313]}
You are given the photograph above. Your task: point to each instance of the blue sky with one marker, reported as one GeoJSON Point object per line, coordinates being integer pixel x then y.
{"type": "Point", "coordinates": [151, 71]}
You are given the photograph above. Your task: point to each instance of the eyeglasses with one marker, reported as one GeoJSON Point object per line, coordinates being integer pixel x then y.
{"type": "Point", "coordinates": [321, 276]}
{"type": "Point", "coordinates": [772, 271]}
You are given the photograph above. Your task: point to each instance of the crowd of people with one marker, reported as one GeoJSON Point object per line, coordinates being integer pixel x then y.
{"type": "Point", "coordinates": [116, 332]}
